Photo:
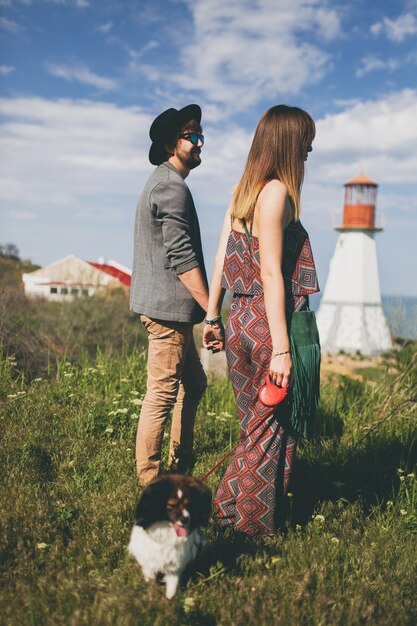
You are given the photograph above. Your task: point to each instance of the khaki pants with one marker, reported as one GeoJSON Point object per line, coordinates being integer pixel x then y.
{"type": "Point", "coordinates": [175, 377]}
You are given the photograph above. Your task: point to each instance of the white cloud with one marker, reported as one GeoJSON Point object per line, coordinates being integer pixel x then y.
{"type": "Point", "coordinates": [25, 216]}
{"type": "Point", "coordinates": [105, 28]}
{"type": "Point", "coordinates": [81, 74]}
{"type": "Point", "coordinates": [76, 168]}
{"type": "Point", "coordinates": [378, 136]}
{"type": "Point", "coordinates": [10, 25]}
{"type": "Point", "coordinates": [136, 63]}
{"type": "Point", "coordinates": [80, 4]}
{"type": "Point", "coordinates": [372, 63]}
{"type": "Point", "coordinates": [61, 154]}
{"type": "Point", "coordinates": [396, 30]}
{"type": "Point", "coordinates": [6, 69]}
{"type": "Point", "coordinates": [244, 51]}
{"type": "Point", "coordinates": [151, 45]}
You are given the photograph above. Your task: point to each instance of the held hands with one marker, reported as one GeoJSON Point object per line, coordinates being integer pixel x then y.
{"type": "Point", "coordinates": [213, 337]}
{"type": "Point", "coordinates": [280, 370]}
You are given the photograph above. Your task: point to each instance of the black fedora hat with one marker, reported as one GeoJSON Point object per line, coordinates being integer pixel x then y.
{"type": "Point", "coordinates": [165, 125]}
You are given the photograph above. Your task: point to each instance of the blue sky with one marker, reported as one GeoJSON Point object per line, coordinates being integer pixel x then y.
{"type": "Point", "coordinates": [81, 81]}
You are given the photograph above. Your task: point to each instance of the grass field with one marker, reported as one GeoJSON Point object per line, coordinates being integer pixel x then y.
{"type": "Point", "coordinates": [347, 551]}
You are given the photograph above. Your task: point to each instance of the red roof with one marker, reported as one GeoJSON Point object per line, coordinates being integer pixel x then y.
{"type": "Point", "coordinates": [361, 179]}
{"type": "Point", "coordinates": [122, 276]}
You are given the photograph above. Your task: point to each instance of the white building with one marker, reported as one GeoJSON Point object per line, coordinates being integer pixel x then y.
{"type": "Point", "coordinates": [350, 316]}
{"type": "Point", "coordinates": [71, 277]}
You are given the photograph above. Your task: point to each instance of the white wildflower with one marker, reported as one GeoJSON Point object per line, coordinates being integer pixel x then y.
{"type": "Point", "coordinates": [188, 604]}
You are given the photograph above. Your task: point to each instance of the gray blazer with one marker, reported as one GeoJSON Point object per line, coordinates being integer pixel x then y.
{"type": "Point", "coordinates": [167, 243]}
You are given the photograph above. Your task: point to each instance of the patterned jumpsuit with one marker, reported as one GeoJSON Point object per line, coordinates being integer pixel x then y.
{"type": "Point", "coordinates": [261, 467]}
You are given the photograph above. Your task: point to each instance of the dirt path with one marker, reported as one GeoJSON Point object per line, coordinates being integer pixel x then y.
{"type": "Point", "coordinates": [345, 365]}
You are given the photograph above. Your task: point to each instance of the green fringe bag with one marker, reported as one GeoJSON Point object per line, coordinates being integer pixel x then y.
{"type": "Point", "coordinates": [305, 355]}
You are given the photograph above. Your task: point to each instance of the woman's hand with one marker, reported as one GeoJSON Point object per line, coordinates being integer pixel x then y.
{"type": "Point", "coordinates": [280, 370]}
{"type": "Point", "coordinates": [213, 337]}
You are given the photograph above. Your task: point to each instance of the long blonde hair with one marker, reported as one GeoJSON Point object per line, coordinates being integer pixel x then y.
{"type": "Point", "coordinates": [279, 147]}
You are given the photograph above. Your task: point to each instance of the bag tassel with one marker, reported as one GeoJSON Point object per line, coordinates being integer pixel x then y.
{"type": "Point", "coordinates": [306, 387]}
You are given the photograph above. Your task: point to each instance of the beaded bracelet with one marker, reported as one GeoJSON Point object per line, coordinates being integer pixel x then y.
{"type": "Point", "coordinates": [213, 321]}
{"type": "Point", "coordinates": [280, 353]}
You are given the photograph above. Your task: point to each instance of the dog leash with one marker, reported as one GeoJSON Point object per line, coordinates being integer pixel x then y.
{"type": "Point", "coordinates": [226, 456]}
{"type": "Point", "coordinates": [213, 469]}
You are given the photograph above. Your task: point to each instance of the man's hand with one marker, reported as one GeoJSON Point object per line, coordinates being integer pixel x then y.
{"type": "Point", "coordinates": [194, 283]}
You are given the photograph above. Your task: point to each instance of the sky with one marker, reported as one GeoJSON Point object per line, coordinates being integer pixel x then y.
{"type": "Point", "coordinates": [82, 80]}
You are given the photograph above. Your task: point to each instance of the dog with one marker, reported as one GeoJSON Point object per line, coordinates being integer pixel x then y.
{"type": "Point", "coordinates": [165, 536]}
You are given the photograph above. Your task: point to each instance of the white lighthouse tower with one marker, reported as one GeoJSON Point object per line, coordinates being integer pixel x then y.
{"type": "Point", "coordinates": [350, 316]}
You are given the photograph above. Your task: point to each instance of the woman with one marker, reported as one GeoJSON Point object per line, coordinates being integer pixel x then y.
{"type": "Point", "coordinates": [264, 258]}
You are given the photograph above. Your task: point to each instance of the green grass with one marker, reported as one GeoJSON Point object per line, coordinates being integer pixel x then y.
{"type": "Point", "coordinates": [346, 554]}
{"type": "Point", "coordinates": [41, 335]}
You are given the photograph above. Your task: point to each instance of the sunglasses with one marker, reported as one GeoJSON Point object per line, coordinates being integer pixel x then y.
{"type": "Point", "coordinates": [193, 137]}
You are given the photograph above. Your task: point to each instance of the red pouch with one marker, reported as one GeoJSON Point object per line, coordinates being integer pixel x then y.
{"type": "Point", "coordinates": [270, 394]}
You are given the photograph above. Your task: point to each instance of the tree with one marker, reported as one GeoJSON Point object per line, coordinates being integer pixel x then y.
{"type": "Point", "coordinates": [10, 250]}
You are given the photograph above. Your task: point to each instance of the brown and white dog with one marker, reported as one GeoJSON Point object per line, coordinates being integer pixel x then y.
{"type": "Point", "coordinates": [165, 537]}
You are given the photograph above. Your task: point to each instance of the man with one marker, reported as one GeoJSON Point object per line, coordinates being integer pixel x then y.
{"type": "Point", "coordinates": [169, 291]}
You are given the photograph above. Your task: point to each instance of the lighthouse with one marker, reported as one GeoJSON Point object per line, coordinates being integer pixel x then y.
{"type": "Point", "coordinates": [350, 316]}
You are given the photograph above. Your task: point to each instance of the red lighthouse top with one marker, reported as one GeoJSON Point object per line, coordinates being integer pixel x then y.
{"type": "Point", "coordinates": [360, 201]}
{"type": "Point", "coordinates": [361, 179]}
